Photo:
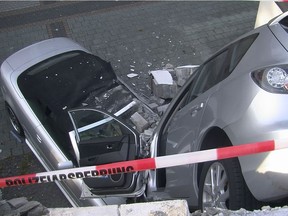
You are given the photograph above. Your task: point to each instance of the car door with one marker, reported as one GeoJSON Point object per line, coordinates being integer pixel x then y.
{"type": "Point", "coordinates": [99, 138]}
{"type": "Point", "coordinates": [182, 132]}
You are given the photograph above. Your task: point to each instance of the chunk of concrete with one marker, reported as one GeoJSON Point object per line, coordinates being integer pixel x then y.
{"type": "Point", "coordinates": [162, 77]}
{"type": "Point", "coordinates": [164, 91]}
{"type": "Point", "coordinates": [184, 72]}
{"type": "Point", "coordinates": [132, 75]}
{"type": "Point", "coordinates": [172, 207]}
{"type": "Point", "coordinates": [17, 202]}
{"type": "Point", "coordinates": [5, 208]}
{"type": "Point", "coordinates": [169, 67]}
{"type": "Point", "coordinates": [140, 123]}
{"type": "Point", "coordinates": [109, 210]}
{"type": "Point", "coordinates": [162, 109]}
{"type": "Point", "coordinates": [148, 132]}
{"type": "Point", "coordinates": [157, 100]}
{"type": "Point", "coordinates": [153, 105]}
{"type": "Point", "coordinates": [21, 206]}
{"type": "Point", "coordinates": [162, 84]}
{"type": "Point", "coordinates": [30, 207]}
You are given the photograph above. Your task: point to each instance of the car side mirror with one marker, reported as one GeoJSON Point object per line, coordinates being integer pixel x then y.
{"type": "Point", "coordinates": [65, 165]}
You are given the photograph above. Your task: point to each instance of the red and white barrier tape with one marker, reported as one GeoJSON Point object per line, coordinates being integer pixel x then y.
{"type": "Point", "coordinates": [145, 164]}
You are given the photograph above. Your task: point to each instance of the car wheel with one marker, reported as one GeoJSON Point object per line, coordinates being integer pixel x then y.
{"type": "Point", "coordinates": [14, 121]}
{"type": "Point", "coordinates": [222, 185]}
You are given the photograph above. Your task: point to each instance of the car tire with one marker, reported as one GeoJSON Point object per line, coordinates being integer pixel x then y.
{"type": "Point", "coordinates": [229, 190]}
{"type": "Point", "coordinates": [15, 122]}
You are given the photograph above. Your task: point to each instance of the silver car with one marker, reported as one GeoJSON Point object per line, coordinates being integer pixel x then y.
{"type": "Point", "coordinates": [70, 109]}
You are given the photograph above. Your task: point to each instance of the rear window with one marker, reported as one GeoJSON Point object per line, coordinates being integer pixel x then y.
{"type": "Point", "coordinates": [239, 49]}
{"type": "Point", "coordinates": [284, 23]}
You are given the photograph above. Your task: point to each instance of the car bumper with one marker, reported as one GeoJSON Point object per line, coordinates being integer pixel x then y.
{"type": "Point", "coordinates": [266, 174]}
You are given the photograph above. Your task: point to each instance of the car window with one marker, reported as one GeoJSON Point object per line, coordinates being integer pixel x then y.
{"type": "Point", "coordinates": [211, 73]}
{"type": "Point", "coordinates": [99, 138]}
{"type": "Point", "coordinates": [239, 49]}
{"type": "Point", "coordinates": [95, 125]}
{"type": "Point", "coordinates": [220, 67]}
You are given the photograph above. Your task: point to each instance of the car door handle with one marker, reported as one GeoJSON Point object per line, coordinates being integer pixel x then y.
{"type": "Point", "coordinates": [197, 108]}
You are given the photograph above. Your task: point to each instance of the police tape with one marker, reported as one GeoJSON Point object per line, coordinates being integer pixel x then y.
{"type": "Point", "coordinates": [145, 164]}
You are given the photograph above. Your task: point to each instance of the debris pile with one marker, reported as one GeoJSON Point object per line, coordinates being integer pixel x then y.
{"type": "Point", "coordinates": [165, 84]}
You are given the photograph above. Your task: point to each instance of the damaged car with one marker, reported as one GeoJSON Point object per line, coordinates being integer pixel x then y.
{"type": "Point", "coordinates": [72, 111]}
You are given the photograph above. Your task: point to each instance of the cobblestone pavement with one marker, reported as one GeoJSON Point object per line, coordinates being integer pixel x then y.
{"type": "Point", "coordinates": [134, 36]}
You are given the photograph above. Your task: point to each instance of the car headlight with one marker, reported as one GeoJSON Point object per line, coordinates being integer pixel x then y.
{"type": "Point", "coordinates": [272, 79]}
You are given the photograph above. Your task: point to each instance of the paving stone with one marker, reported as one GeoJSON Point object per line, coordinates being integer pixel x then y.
{"type": "Point", "coordinates": [17, 151]}
{"type": "Point", "coordinates": [25, 149]}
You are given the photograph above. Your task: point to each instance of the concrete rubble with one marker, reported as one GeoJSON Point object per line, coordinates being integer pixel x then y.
{"type": "Point", "coordinates": [172, 207]}
{"type": "Point", "coordinates": [21, 206]}
{"type": "Point", "coordinates": [165, 83]}
{"type": "Point", "coordinates": [162, 84]}
{"type": "Point", "coordinates": [162, 77]}
{"type": "Point", "coordinates": [264, 211]}
{"type": "Point", "coordinates": [162, 109]}
{"type": "Point", "coordinates": [184, 72]}
{"type": "Point", "coordinates": [131, 75]}
{"type": "Point", "coordinates": [140, 122]}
